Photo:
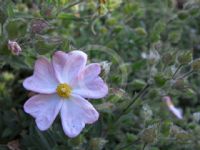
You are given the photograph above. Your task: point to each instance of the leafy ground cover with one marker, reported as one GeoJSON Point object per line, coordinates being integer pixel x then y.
{"type": "Point", "coordinates": [148, 50]}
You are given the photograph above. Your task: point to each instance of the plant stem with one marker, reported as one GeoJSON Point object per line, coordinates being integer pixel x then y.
{"type": "Point", "coordinates": [187, 74]}
{"type": "Point", "coordinates": [1, 28]}
{"type": "Point", "coordinates": [179, 67]}
{"type": "Point", "coordinates": [128, 145]}
{"type": "Point", "coordinates": [72, 4]}
{"type": "Point", "coordinates": [143, 148]}
{"type": "Point", "coordinates": [135, 99]}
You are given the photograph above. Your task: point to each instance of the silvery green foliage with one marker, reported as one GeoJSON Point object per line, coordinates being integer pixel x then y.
{"type": "Point", "coordinates": [117, 33]}
{"type": "Point", "coordinates": [196, 117]}
{"type": "Point", "coordinates": [147, 112]}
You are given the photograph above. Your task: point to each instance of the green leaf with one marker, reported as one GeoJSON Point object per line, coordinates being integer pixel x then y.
{"type": "Point", "coordinates": [66, 16]}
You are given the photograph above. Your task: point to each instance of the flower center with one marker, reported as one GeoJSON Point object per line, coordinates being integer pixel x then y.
{"type": "Point", "coordinates": [63, 90]}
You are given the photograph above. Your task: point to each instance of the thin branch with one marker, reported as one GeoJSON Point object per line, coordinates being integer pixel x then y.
{"type": "Point", "coordinates": [187, 74]}
{"type": "Point", "coordinates": [135, 99]}
{"type": "Point", "coordinates": [128, 145]}
{"type": "Point", "coordinates": [179, 67]}
{"type": "Point", "coordinates": [143, 148]}
{"type": "Point", "coordinates": [72, 4]}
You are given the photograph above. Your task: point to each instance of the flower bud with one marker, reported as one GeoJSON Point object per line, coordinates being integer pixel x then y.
{"type": "Point", "coordinates": [111, 21]}
{"type": "Point", "coordinates": [117, 28]}
{"type": "Point", "coordinates": [196, 65]}
{"type": "Point", "coordinates": [149, 135]}
{"type": "Point", "coordinates": [131, 137]}
{"type": "Point", "coordinates": [182, 15]}
{"type": "Point", "coordinates": [174, 36]}
{"type": "Point", "coordinates": [194, 10]}
{"type": "Point", "coordinates": [37, 26]}
{"type": "Point", "coordinates": [185, 58]}
{"type": "Point", "coordinates": [160, 79]}
{"type": "Point", "coordinates": [141, 31]}
{"type": "Point", "coordinates": [167, 59]}
{"type": "Point", "coordinates": [138, 84]}
{"type": "Point", "coordinates": [22, 8]}
{"type": "Point", "coordinates": [14, 47]}
{"type": "Point", "coordinates": [178, 84]}
{"type": "Point", "coordinates": [7, 76]}
{"type": "Point", "coordinates": [103, 30]}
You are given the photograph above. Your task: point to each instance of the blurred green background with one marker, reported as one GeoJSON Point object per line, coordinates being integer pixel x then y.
{"type": "Point", "coordinates": [151, 44]}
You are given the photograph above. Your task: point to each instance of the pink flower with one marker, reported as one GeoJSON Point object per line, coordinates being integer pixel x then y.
{"type": "Point", "coordinates": [14, 47]}
{"type": "Point", "coordinates": [176, 111]}
{"type": "Point", "coordinates": [63, 84]}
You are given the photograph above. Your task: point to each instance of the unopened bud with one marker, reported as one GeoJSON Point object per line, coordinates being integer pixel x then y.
{"type": "Point", "coordinates": [141, 31]}
{"type": "Point", "coordinates": [178, 84]}
{"type": "Point", "coordinates": [104, 30]}
{"type": "Point", "coordinates": [183, 15]}
{"type": "Point", "coordinates": [185, 58]}
{"type": "Point", "coordinates": [174, 36]}
{"type": "Point", "coordinates": [167, 59]}
{"type": "Point", "coordinates": [131, 137]}
{"type": "Point", "coordinates": [7, 76]}
{"type": "Point", "coordinates": [138, 84]}
{"type": "Point", "coordinates": [118, 28]}
{"type": "Point", "coordinates": [38, 26]}
{"type": "Point", "coordinates": [194, 10]}
{"type": "Point", "coordinates": [160, 79]}
{"type": "Point", "coordinates": [149, 135]}
{"type": "Point", "coordinates": [22, 8]}
{"type": "Point", "coordinates": [14, 47]}
{"type": "Point", "coordinates": [111, 21]}
{"type": "Point", "coordinates": [196, 65]}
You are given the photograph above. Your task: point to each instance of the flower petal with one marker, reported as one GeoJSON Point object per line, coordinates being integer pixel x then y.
{"type": "Point", "coordinates": [177, 112]}
{"type": "Point", "coordinates": [90, 72]}
{"type": "Point", "coordinates": [90, 85]}
{"type": "Point", "coordinates": [44, 108]}
{"type": "Point", "coordinates": [43, 79]}
{"type": "Point", "coordinates": [68, 66]}
{"type": "Point", "coordinates": [59, 60]}
{"type": "Point", "coordinates": [75, 113]}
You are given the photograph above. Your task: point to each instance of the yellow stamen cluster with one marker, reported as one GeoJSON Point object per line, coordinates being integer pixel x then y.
{"type": "Point", "coordinates": [63, 90]}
